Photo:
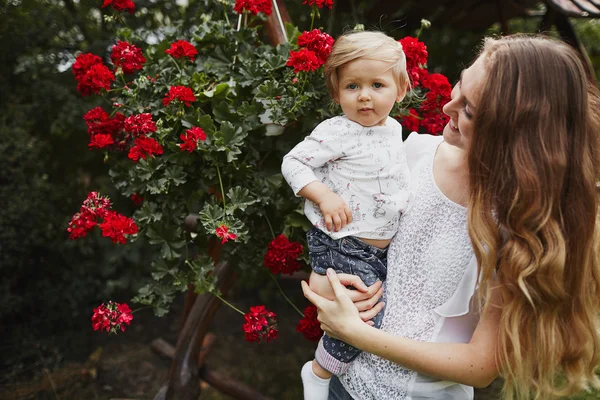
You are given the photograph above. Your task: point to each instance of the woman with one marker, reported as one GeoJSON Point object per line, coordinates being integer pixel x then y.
{"type": "Point", "coordinates": [519, 161]}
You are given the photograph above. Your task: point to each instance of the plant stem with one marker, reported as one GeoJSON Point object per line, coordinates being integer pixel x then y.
{"type": "Point", "coordinates": [270, 227]}
{"type": "Point", "coordinates": [284, 296]}
{"type": "Point", "coordinates": [178, 67]}
{"type": "Point", "coordinates": [221, 183]}
{"type": "Point", "coordinates": [226, 17]}
{"type": "Point", "coordinates": [229, 304]}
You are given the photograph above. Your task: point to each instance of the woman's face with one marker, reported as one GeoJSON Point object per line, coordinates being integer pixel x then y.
{"type": "Point", "coordinates": [463, 106]}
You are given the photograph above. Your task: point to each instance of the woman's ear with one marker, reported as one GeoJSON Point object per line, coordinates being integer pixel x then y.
{"type": "Point", "coordinates": [402, 92]}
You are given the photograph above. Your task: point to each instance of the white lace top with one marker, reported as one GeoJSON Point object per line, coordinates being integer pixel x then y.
{"type": "Point", "coordinates": [432, 275]}
{"type": "Point", "coordinates": [366, 166]}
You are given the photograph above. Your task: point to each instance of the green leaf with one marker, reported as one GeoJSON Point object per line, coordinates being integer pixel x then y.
{"type": "Point", "coordinates": [176, 175]}
{"type": "Point", "coordinates": [223, 113]}
{"type": "Point", "coordinates": [239, 199]}
{"type": "Point", "coordinates": [148, 213]}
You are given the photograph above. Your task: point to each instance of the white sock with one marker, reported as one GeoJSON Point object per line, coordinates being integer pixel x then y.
{"type": "Point", "coordinates": [315, 388]}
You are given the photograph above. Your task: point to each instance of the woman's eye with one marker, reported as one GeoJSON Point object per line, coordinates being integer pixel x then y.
{"type": "Point", "coordinates": [352, 86]}
{"type": "Point", "coordinates": [377, 85]}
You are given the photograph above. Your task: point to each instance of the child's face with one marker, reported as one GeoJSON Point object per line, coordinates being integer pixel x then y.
{"type": "Point", "coordinates": [367, 91]}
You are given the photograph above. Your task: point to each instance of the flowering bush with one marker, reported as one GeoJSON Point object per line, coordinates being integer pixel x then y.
{"type": "Point", "coordinates": [188, 133]}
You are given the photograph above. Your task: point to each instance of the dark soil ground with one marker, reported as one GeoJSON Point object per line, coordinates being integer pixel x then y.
{"type": "Point", "coordinates": [124, 367]}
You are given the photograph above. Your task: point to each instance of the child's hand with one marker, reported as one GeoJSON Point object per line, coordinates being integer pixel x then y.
{"type": "Point", "coordinates": [336, 213]}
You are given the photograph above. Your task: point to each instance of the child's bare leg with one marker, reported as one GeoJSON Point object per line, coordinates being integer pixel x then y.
{"type": "Point", "coordinates": [320, 371]}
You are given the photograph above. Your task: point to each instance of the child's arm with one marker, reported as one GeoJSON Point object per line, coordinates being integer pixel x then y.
{"type": "Point", "coordinates": [334, 209]}
{"type": "Point", "coordinates": [324, 145]}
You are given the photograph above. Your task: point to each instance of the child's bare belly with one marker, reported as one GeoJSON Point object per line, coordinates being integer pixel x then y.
{"type": "Point", "coordinates": [380, 243]}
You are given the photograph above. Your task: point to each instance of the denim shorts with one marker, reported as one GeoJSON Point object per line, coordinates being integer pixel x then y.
{"type": "Point", "coordinates": [348, 255]}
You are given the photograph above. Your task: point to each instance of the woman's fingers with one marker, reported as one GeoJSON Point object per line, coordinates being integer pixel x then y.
{"type": "Point", "coordinates": [370, 314]}
{"type": "Point", "coordinates": [372, 290]}
{"type": "Point", "coordinates": [354, 281]}
{"type": "Point", "coordinates": [338, 288]}
{"type": "Point", "coordinates": [367, 304]}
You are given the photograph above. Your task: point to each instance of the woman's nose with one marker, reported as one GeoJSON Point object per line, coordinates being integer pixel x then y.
{"type": "Point", "coordinates": [450, 107]}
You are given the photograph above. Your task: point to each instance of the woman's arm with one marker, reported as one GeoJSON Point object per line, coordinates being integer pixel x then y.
{"type": "Point", "coordinates": [470, 363]}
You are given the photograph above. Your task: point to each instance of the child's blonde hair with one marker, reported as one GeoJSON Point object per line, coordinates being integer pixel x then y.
{"type": "Point", "coordinates": [365, 44]}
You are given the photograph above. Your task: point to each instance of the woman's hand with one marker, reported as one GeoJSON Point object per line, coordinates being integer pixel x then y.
{"type": "Point", "coordinates": [364, 298]}
{"type": "Point", "coordinates": [338, 317]}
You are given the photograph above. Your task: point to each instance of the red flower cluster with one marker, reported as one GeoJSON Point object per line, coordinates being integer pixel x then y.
{"type": "Point", "coordinates": [181, 48]}
{"type": "Point", "coordinates": [318, 42]}
{"type": "Point", "coordinates": [120, 5]}
{"type": "Point", "coordinates": [181, 93]}
{"type": "Point", "coordinates": [253, 6]}
{"type": "Point", "coordinates": [438, 89]}
{"type": "Point", "coordinates": [127, 56]}
{"type": "Point", "coordinates": [143, 147]}
{"type": "Point", "coordinates": [112, 317]}
{"type": "Point", "coordinates": [309, 326]}
{"type": "Point", "coordinates": [416, 58]}
{"type": "Point", "coordinates": [92, 209]}
{"type": "Point", "coordinates": [223, 233]}
{"type": "Point", "coordinates": [190, 138]}
{"type": "Point", "coordinates": [282, 256]}
{"type": "Point", "coordinates": [140, 124]}
{"type": "Point", "coordinates": [412, 120]}
{"type": "Point", "coordinates": [91, 74]}
{"type": "Point", "coordinates": [115, 226]}
{"type": "Point", "coordinates": [83, 62]}
{"type": "Point", "coordinates": [319, 3]}
{"type": "Point", "coordinates": [303, 60]}
{"type": "Point", "coordinates": [260, 325]}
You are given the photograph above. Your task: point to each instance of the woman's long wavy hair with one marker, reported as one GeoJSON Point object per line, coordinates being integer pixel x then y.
{"type": "Point", "coordinates": [534, 162]}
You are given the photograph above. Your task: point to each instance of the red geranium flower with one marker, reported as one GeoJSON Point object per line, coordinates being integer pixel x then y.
{"type": "Point", "coordinates": [253, 6]}
{"type": "Point", "coordinates": [83, 62]}
{"type": "Point", "coordinates": [120, 5]}
{"type": "Point", "coordinates": [81, 224]}
{"type": "Point", "coordinates": [191, 138]}
{"type": "Point", "coordinates": [127, 56]}
{"type": "Point", "coordinates": [309, 326]}
{"type": "Point", "coordinates": [260, 324]}
{"type": "Point", "coordinates": [140, 124]}
{"type": "Point", "coordinates": [223, 233]}
{"type": "Point", "coordinates": [417, 74]}
{"type": "Point", "coordinates": [143, 147]}
{"type": "Point", "coordinates": [137, 199]}
{"type": "Point", "coordinates": [282, 256]}
{"type": "Point", "coordinates": [101, 140]}
{"type": "Point", "coordinates": [115, 226]}
{"type": "Point", "coordinates": [415, 51]}
{"type": "Point", "coordinates": [97, 77]}
{"type": "Point", "coordinates": [434, 122]}
{"type": "Point", "coordinates": [181, 48]}
{"type": "Point", "coordinates": [181, 93]}
{"type": "Point", "coordinates": [303, 60]}
{"type": "Point", "coordinates": [319, 3]}
{"type": "Point", "coordinates": [93, 208]}
{"type": "Point", "coordinates": [318, 42]}
{"type": "Point", "coordinates": [411, 121]}
{"type": "Point", "coordinates": [112, 317]}
{"type": "Point", "coordinates": [98, 121]}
